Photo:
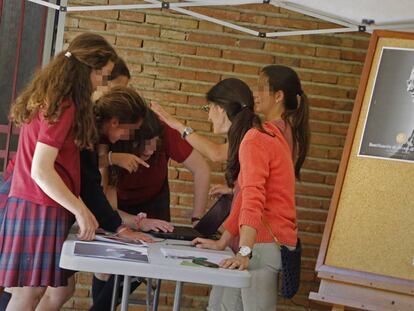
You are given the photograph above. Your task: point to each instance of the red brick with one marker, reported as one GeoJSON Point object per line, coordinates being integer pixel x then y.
{"type": "Point", "coordinates": [91, 24]}
{"type": "Point", "coordinates": [309, 189]}
{"type": "Point", "coordinates": [250, 57]}
{"type": "Point", "coordinates": [203, 25]}
{"type": "Point", "coordinates": [135, 54]}
{"type": "Point", "coordinates": [71, 22]}
{"type": "Point", "coordinates": [140, 81]}
{"type": "Point", "coordinates": [327, 52]}
{"type": "Point", "coordinates": [110, 14]}
{"type": "Point", "coordinates": [169, 47]}
{"type": "Point", "coordinates": [211, 52]}
{"type": "Point", "coordinates": [291, 23]}
{"type": "Point", "coordinates": [171, 21]}
{"type": "Point", "coordinates": [247, 69]}
{"type": "Point", "coordinates": [356, 56]}
{"type": "Point", "coordinates": [170, 72]}
{"type": "Point", "coordinates": [326, 65]}
{"type": "Point", "coordinates": [206, 76]}
{"type": "Point", "coordinates": [289, 48]}
{"type": "Point", "coordinates": [324, 78]}
{"type": "Point", "coordinates": [165, 96]}
{"type": "Point", "coordinates": [167, 59]}
{"type": "Point", "coordinates": [166, 85]}
{"type": "Point", "coordinates": [349, 81]}
{"type": "Point", "coordinates": [172, 34]}
{"type": "Point", "coordinates": [198, 125]}
{"type": "Point", "coordinates": [137, 29]}
{"type": "Point", "coordinates": [209, 39]}
{"type": "Point", "coordinates": [315, 89]}
{"type": "Point", "coordinates": [251, 44]}
{"type": "Point", "coordinates": [195, 88]}
{"type": "Point", "coordinates": [192, 113]}
{"type": "Point", "coordinates": [252, 18]}
{"type": "Point", "coordinates": [321, 165]}
{"type": "Point", "coordinates": [207, 64]}
{"type": "Point", "coordinates": [219, 13]}
{"type": "Point", "coordinates": [128, 42]}
{"type": "Point", "coordinates": [134, 16]}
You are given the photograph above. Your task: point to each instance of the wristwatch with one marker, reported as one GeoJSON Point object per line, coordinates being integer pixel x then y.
{"type": "Point", "coordinates": [245, 251]}
{"type": "Point", "coordinates": [187, 131]}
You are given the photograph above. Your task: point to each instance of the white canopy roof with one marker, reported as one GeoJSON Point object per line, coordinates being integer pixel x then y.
{"type": "Point", "coordinates": [351, 15]}
{"type": "Point", "coordinates": [381, 11]}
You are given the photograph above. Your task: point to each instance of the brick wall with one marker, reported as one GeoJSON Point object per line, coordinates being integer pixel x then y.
{"type": "Point", "coordinates": [175, 59]}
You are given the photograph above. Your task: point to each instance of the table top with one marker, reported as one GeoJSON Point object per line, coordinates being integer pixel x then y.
{"type": "Point", "coordinates": [158, 267]}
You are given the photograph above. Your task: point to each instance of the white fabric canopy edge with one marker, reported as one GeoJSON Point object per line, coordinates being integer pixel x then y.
{"type": "Point", "coordinates": [349, 26]}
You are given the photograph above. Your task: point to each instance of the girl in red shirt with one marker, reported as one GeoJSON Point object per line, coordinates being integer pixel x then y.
{"type": "Point", "coordinates": [56, 118]}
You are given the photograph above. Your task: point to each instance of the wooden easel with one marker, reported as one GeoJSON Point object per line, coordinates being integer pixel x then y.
{"type": "Point", "coordinates": [364, 261]}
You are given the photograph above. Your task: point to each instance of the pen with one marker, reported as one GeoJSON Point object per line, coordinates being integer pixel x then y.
{"type": "Point", "coordinates": [177, 244]}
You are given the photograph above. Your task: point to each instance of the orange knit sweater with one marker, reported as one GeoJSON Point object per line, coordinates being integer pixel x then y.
{"type": "Point", "coordinates": [267, 187]}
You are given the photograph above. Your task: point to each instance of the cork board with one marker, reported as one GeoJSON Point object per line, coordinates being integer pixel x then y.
{"type": "Point", "coordinates": [373, 229]}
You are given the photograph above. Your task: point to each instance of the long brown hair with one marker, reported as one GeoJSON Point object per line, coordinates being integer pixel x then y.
{"type": "Point", "coordinates": [236, 99]}
{"type": "Point", "coordinates": [66, 77]}
{"type": "Point", "coordinates": [285, 79]}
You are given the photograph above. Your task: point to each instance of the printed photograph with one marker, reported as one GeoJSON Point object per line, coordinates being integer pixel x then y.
{"type": "Point", "coordinates": [108, 251]}
{"type": "Point", "coordinates": [389, 126]}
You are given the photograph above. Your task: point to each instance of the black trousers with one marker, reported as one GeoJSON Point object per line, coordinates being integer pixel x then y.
{"type": "Point", "coordinates": [157, 207]}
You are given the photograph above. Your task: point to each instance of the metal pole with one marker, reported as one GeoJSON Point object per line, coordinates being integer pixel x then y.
{"type": "Point", "coordinates": [47, 46]}
{"type": "Point", "coordinates": [177, 296]}
{"type": "Point", "coordinates": [156, 295]}
{"type": "Point", "coordinates": [60, 26]}
{"type": "Point", "coordinates": [125, 293]}
{"type": "Point", "coordinates": [114, 299]}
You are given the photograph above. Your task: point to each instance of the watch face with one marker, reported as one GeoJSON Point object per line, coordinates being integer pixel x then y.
{"type": "Point", "coordinates": [245, 250]}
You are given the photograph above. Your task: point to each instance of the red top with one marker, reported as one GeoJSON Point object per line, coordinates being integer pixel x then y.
{"type": "Point", "coordinates": [145, 183]}
{"type": "Point", "coordinates": [67, 163]}
{"type": "Point", "coordinates": [267, 187]}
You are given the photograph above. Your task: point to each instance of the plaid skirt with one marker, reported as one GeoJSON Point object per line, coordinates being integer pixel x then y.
{"type": "Point", "coordinates": [31, 239]}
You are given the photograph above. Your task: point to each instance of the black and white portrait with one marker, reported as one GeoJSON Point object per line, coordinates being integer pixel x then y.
{"type": "Point", "coordinates": [389, 126]}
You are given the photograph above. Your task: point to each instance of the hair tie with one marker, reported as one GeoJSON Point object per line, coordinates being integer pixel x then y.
{"type": "Point", "coordinates": [300, 93]}
{"type": "Point", "coordinates": [68, 54]}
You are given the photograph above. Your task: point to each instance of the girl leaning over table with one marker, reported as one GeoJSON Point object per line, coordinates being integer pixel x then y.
{"type": "Point", "coordinates": [56, 116]}
{"type": "Point", "coordinates": [260, 167]}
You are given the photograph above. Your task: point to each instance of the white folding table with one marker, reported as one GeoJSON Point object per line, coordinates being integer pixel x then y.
{"type": "Point", "coordinates": [158, 267]}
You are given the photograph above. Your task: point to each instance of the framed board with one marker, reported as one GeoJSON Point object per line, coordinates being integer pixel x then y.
{"type": "Point", "coordinates": [366, 256]}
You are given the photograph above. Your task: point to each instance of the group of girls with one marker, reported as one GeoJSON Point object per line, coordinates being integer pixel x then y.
{"type": "Point", "coordinates": [64, 141]}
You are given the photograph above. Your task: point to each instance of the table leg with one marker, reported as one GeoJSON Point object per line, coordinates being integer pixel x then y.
{"type": "Point", "coordinates": [177, 296]}
{"type": "Point", "coordinates": [115, 292]}
{"type": "Point", "coordinates": [156, 296]}
{"type": "Point", "coordinates": [149, 293]}
{"type": "Point", "coordinates": [125, 292]}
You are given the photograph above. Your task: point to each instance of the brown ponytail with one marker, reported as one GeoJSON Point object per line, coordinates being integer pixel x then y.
{"type": "Point", "coordinates": [285, 79]}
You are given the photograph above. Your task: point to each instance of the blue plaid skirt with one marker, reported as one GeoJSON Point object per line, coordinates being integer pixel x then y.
{"type": "Point", "coordinates": [31, 239]}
